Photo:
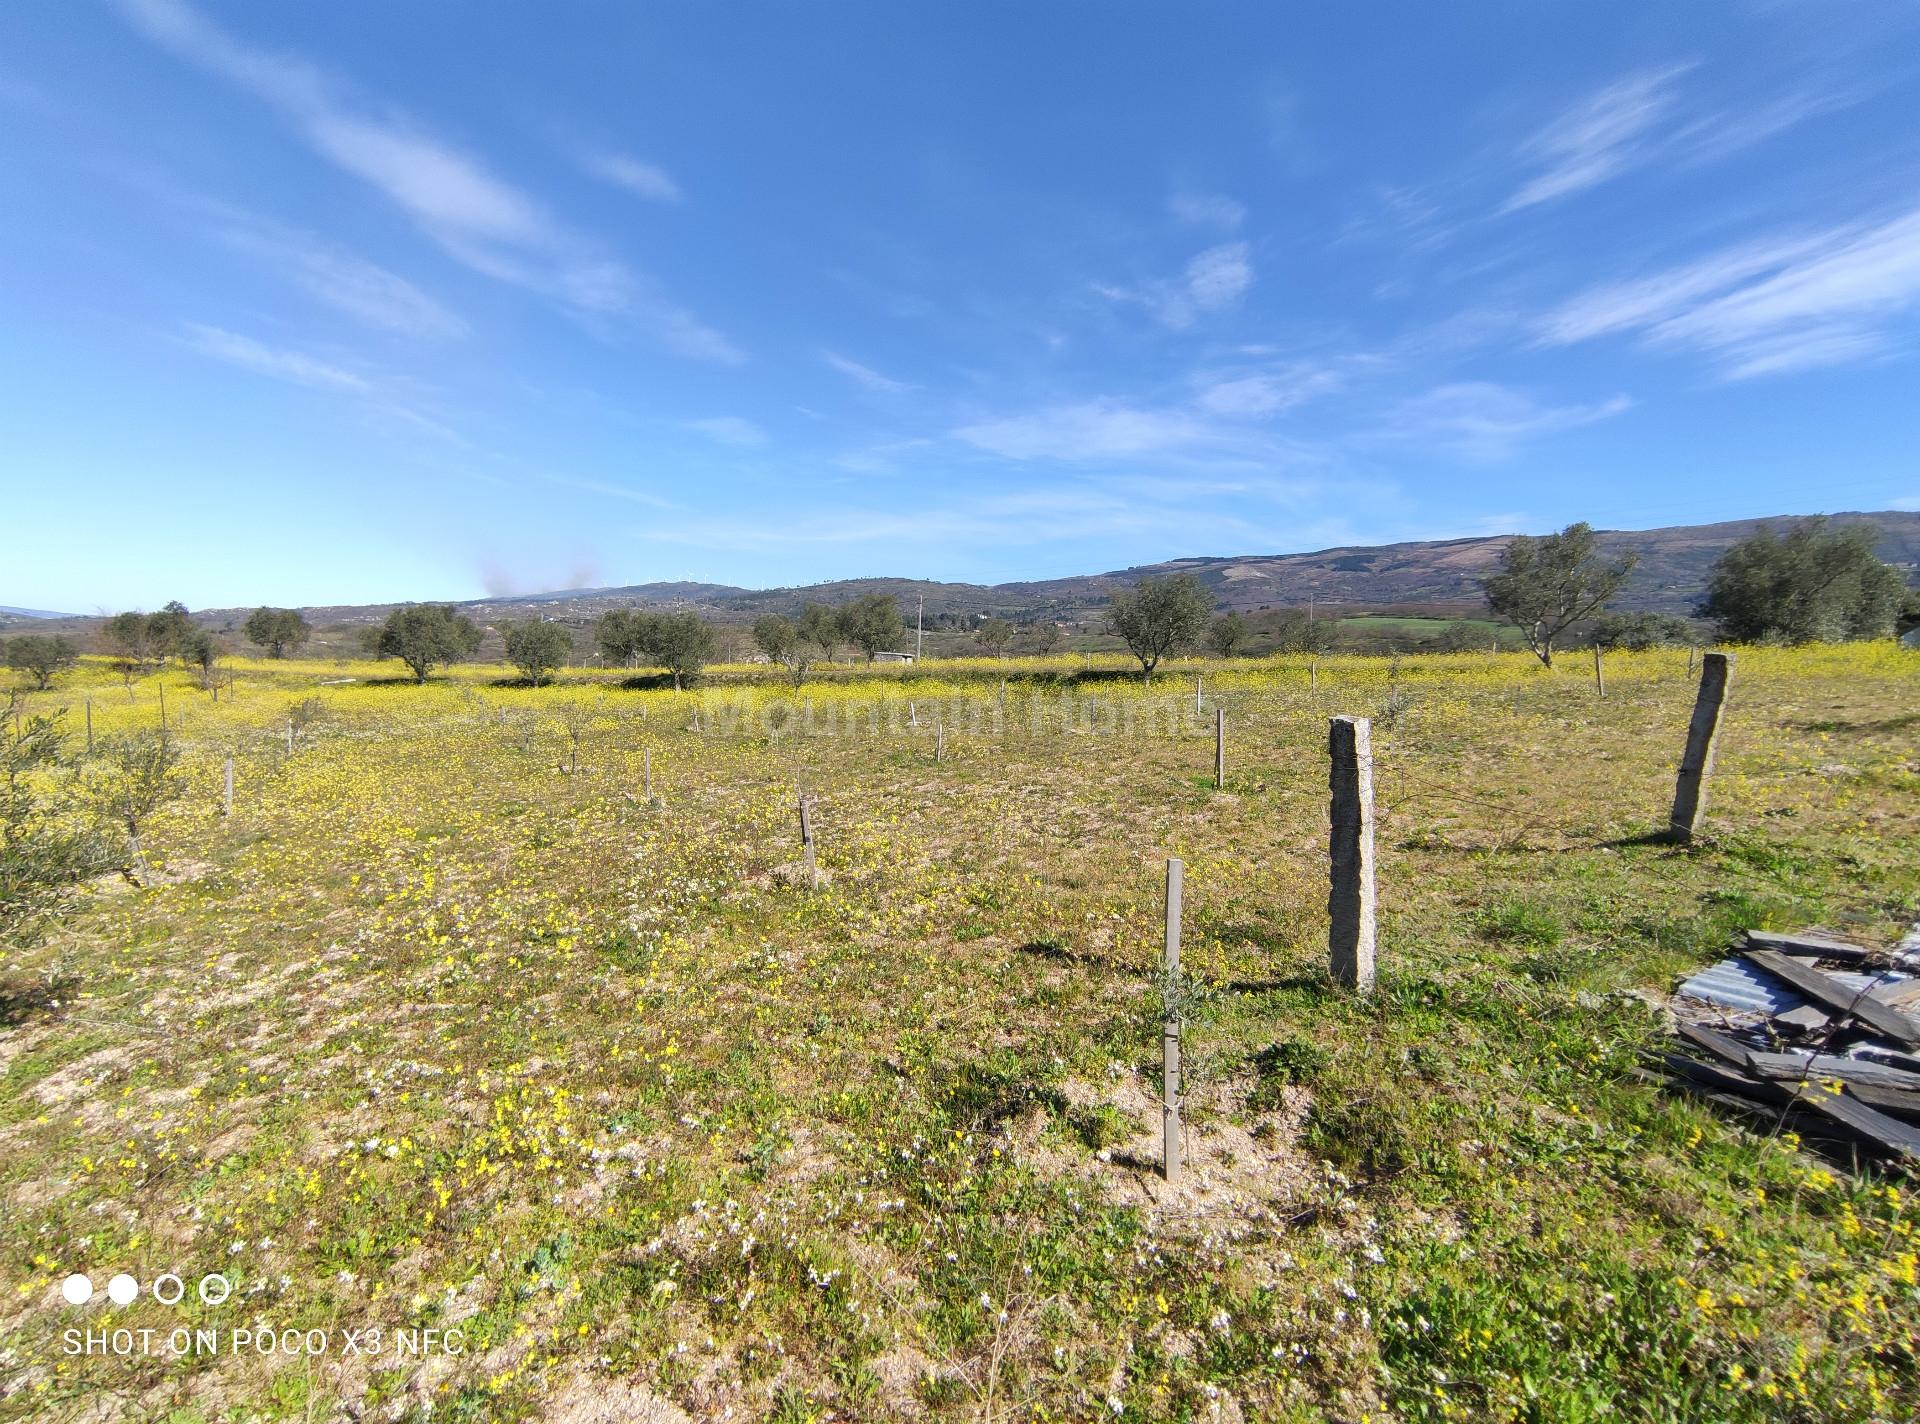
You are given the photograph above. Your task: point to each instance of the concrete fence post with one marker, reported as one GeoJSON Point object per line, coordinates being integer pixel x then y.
{"type": "Point", "coordinates": [1350, 895]}
{"type": "Point", "coordinates": [226, 794]}
{"type": "Point", "coordinates": [1703, 734]}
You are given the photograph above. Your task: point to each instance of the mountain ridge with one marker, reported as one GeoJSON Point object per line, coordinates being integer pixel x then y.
{"type": "Point", "coordinates": [1670, 578]}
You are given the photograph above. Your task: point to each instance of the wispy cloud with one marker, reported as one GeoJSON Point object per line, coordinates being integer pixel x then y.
{"type": "Point", "coordinates": [648, 180]}
{"type": "Point", "coordinates": [1486, 421]}
{"type": "Point", "coordinates": [1027, 517]}
{"type": "Point", "coordinates": [881, 457]}
{"type": "Point", "coordinates": [477, 217]}
{"type": "Point", "coordinates": [602, 487]}
{"type": "Point", "coordinates": [1220, 276]}
{"type": "Point", "coordinates": [864, 375]}
{"type": "Point", "coordinates": [1091, 430]}
{"type": "Point", "coordinates": [1267, 393]}
{"type": "Point", "coordinates": [1213, 281]}
{"type": "Point", "coordinates": [363, 290]}
{"type": "Point", "coordinates": [1719, 135]}
{"type": "Point", "coordinates": [730, 430]}
{"type": "Point", "coordinates": [1598, 138]}
{"type": "Point", "coordinates": [279, 363]}
{"type": "Point", "coordinates": [1765, 307]}
{"type": "Point", "coordinates": [1208, 210]}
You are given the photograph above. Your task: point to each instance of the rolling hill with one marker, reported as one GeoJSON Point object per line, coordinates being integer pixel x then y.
{"type": "Point", "coordinates": [1441, 574]}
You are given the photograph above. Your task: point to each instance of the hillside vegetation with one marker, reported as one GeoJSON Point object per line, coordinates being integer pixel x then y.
{"type": "Point", "coordinates": [448, 1025]}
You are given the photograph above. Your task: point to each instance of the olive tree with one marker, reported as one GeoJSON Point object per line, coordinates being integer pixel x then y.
{"type": "Point", "coordinates": [277, 630]}
{"type": "Point", "coordinates": [41, 657]}
{"type": "Point", "coordinates": [130, 638]}
{"type": "Point", "coordinates": [1298, 631]}
{"type": "Point", "coordinates": [819, 625]}
{"type": "Point", "coordinates": [1548, 584]}
{"type": "Point", "coordinates": [624, 634]}
{"type": "Point", "coordinates": [128, 779]}
{"type": "Point", "coordinates": [1227, 634]}
{"type": "Point", "coordinates": [199, 649]}
{"type": "Point", "coordinates": [40, 858]}
{"type": "Point", "coordinates": [139, 640]}
{"type": "Point", "coordinates": [994, 634]}
{"type": "Point", "coordinates": [871, 623]}
{"type": "Point", "coordinates": [681, 644]}
{"type": "Point", "coordinates": [537, 648]}
{"type": "Point", "coordinates": [776, 636]}
{"type": "Point", "coordinates": [425, 636]}
{"type": "Point", "coordinates": [1815, 584]}
{"type": "Point", "coordinates": [1158, 615]}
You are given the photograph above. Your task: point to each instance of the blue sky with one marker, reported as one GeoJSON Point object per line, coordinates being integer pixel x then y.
{"type": "Point", "coordinates": [365, 300]}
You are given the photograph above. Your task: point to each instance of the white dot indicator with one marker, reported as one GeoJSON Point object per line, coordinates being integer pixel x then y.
{"type": "Point", "coordinates": [123, 1289]}
{"type": "Point", "coordinates": [77, 1289]}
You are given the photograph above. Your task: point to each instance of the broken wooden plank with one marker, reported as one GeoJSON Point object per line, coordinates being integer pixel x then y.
{"type": "Point", "coordinates": [1901, 1139]}
{"type": "Point", "coordinates": [1896, 996]}
{"type": "Point", "coordinates": [1888, 1100]}
{"type": "Point", "coordinates": [1820, 1067]}
{"type": "Point", "coordinates": [1825, 989]}
{"type": "Point", "coordinates": [1727, 1050]}
{"type": "Point", "coordinates": [1724, 1079]}
{"type": "Point", "coordinates": [1813, 1130]}
{"type": "Point", "coordinates": [1823, 1066]}
{"type": "Point", "coordinates": [1813, 947]}
{"type": "Point", "coordinates": [1860, 1119]}
{"type": "Point", "coordinates": [1806, 1018]}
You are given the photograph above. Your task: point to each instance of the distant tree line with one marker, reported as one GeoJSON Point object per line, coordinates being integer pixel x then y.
{"type": "Point", "coordinates": [871, 623]}
{"type": "Point", "coordinates": [1814, 582]}
{"type": "Point", "coordinates": [1818, 582]}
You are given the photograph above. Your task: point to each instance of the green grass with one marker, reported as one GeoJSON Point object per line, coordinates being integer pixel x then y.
{"type": "Point", "coordinates": [645, 1112]}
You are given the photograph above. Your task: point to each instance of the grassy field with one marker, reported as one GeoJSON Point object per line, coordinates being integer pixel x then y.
{"type": "Point", "coordinates": [449, 1027]}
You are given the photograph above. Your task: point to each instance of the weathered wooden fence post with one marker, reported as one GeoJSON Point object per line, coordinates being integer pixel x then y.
{"type": "Point", "coordinates": [1219, 749]}
{"type": "Point", "coordinates": [163, 706]}
{"type": "Point", "coordinates": [1599, 673]}
{"type": "Point", "coordinates": [1170, 1158]}
{"type": "Point", "coordinates": [289, 736]}
{"type": "Point", "coordinates": [1703, 732]}
{"type": "Point", "coordinates": [1197, 709]}
{"type": "Point", "coordinates": [940, 739]}
{"type": "Point", "coordinates": [806, 840]}
{"type": "Point", "coordinates": [1350, 897]}
{"type": "Point", "coordinates": [226, 796]}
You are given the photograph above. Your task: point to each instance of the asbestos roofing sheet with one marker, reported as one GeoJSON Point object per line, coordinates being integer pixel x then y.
{"type": "Point", "coordinates": [1746, 988]}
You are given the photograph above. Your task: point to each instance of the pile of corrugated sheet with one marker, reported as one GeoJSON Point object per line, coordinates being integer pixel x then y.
{"type": "Point", "coordinates": [1809, 1028]}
